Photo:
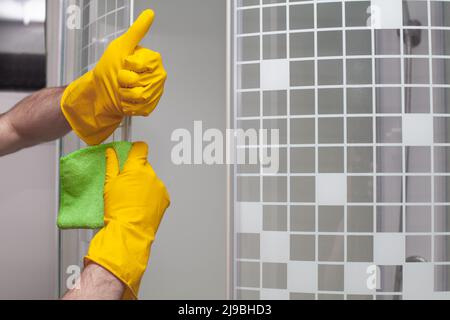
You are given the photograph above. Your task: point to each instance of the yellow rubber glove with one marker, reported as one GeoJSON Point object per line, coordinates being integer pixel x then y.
{"type": "Point", "coordinates": [128, 80]}
{"type": "Point", "coordinates": [135, 202]}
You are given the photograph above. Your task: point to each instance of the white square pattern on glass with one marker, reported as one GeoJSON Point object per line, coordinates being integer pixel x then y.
{"type": "Point", "coordinates": [274, 246]}
{"type": "Point", "coordinates": [302, 277]}
{"type": "Point", "coordinates": [363, 105]}
{"type": "Point", "coordinates": [275, 74]}
{"type": "Point", "coordinates": [248, 217]}
{"type": "Point", "coordinates": [417, 129]}
{"type": "Point", "coordinates": [331, 189]}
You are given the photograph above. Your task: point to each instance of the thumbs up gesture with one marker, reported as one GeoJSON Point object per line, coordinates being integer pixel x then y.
{"type": "Point", "coordinates": [128, 80]}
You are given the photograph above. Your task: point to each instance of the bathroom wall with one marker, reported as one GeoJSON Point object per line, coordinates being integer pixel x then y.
{"type": "Point", "coordinates": [27, 39]}
{"type": "Point", "coordinates": [28, 245]}
{"type": "Point", "coordinates": [189, 257]}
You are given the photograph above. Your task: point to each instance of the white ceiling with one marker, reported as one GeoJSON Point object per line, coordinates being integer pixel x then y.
{"type": "Point", "coordinates": [25, 11]}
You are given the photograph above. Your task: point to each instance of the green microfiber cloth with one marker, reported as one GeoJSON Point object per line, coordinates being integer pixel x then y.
{"type": "Point", "coordinates": [82, 179]}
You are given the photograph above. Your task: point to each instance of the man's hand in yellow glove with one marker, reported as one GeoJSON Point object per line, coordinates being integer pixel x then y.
{"type": "Point", "coordinates": [128, 80]}
{"type": "Point", "coordinates": [135, 202]}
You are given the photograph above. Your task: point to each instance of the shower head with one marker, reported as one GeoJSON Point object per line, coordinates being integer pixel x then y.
{"type": "Point", "coordinates": [406, 12]}
{"type": "Point", "coordinates": [411, 37]}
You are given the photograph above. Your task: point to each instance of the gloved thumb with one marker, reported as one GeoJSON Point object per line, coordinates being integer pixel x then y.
{"type": "Point", "coordinates": [138, 30]}
{"type": "Point", "coordinates": [112, 165]}
{"type": "Point", "coordinates": [137, 156]}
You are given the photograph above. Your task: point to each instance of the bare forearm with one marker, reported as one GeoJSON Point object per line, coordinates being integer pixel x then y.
{"type": "Point", "coordinates": [34, 120]}
{"type": "Point", "coordinates": [96, 283]}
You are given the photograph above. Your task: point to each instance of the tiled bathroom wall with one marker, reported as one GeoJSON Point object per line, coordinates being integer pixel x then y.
{"type": "Point", "coordinates": [359, 91]}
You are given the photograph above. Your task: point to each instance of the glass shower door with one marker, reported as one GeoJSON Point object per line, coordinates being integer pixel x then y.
{"type": "Point", "coordinates": [101, 21]}
{"type": "Point", "coordinates": [358, 90]}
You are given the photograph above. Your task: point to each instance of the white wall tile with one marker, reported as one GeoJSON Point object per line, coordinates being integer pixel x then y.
{"type": "Point", "coordinates": [386, 14]}
{"type": "Point", "coordinates": [275, 74]}
{"type": "Point", "coordinates": [275, 246]}
{"type": "Point", "coordinates": [248, 217]}
{"type": "Point", "coordinates": [274, 294]}
{"type": "Point", "coordinates": [389, 249]}
{"type": "Point", "coordinates": [440, 296]}
{"type": "Point", "coordinates": [302, 276]}
{"type": "Point", "coordinates": [356, 278]}
{"type": "Point", "coordinates": [418, 281]}
{"type": "Point", "coordinates": [331, 189]}
{"type": "Point", "coordinates": [417, 129]}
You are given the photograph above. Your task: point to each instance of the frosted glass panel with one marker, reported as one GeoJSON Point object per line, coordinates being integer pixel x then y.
{"type": "Point", "coordinates": [362, 102]}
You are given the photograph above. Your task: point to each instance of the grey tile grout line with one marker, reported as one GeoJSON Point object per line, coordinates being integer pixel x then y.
{"type": "Point", "coordinates": [261, 122]}
{"type": "Point", "coordinates": [316, 150]}
{"type": "Point", "coordinates": [392, 85]}
{"type": "Point", "coordinates": [344, 75]}
{"type": "Point", "coordinates": [432, 111]}
{"type": "Point", "coordinates": [332, 116]}
{"type": "Point", "coordinates": [362, 204]}
{"type": "Point", "coordinates": [288, 138]}
{"type": "Point", "coordinates": [389, 145]}
{"type": "Point", "coordinates": [359, 57]}
{"type": "Point", "coordinates": [358, 28]}
{"type": "Point", "coordinates": [404, 185]}
{"type": "Point", "coordinates": [235, 93]}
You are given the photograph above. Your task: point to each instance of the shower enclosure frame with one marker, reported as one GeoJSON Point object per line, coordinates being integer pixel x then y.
{"type": "Point", "coordinates": [230, 104]}
{"type": "Point", "coordinates": [60, 65]}
{"type": "Point", "coordinates": [54, 20]}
